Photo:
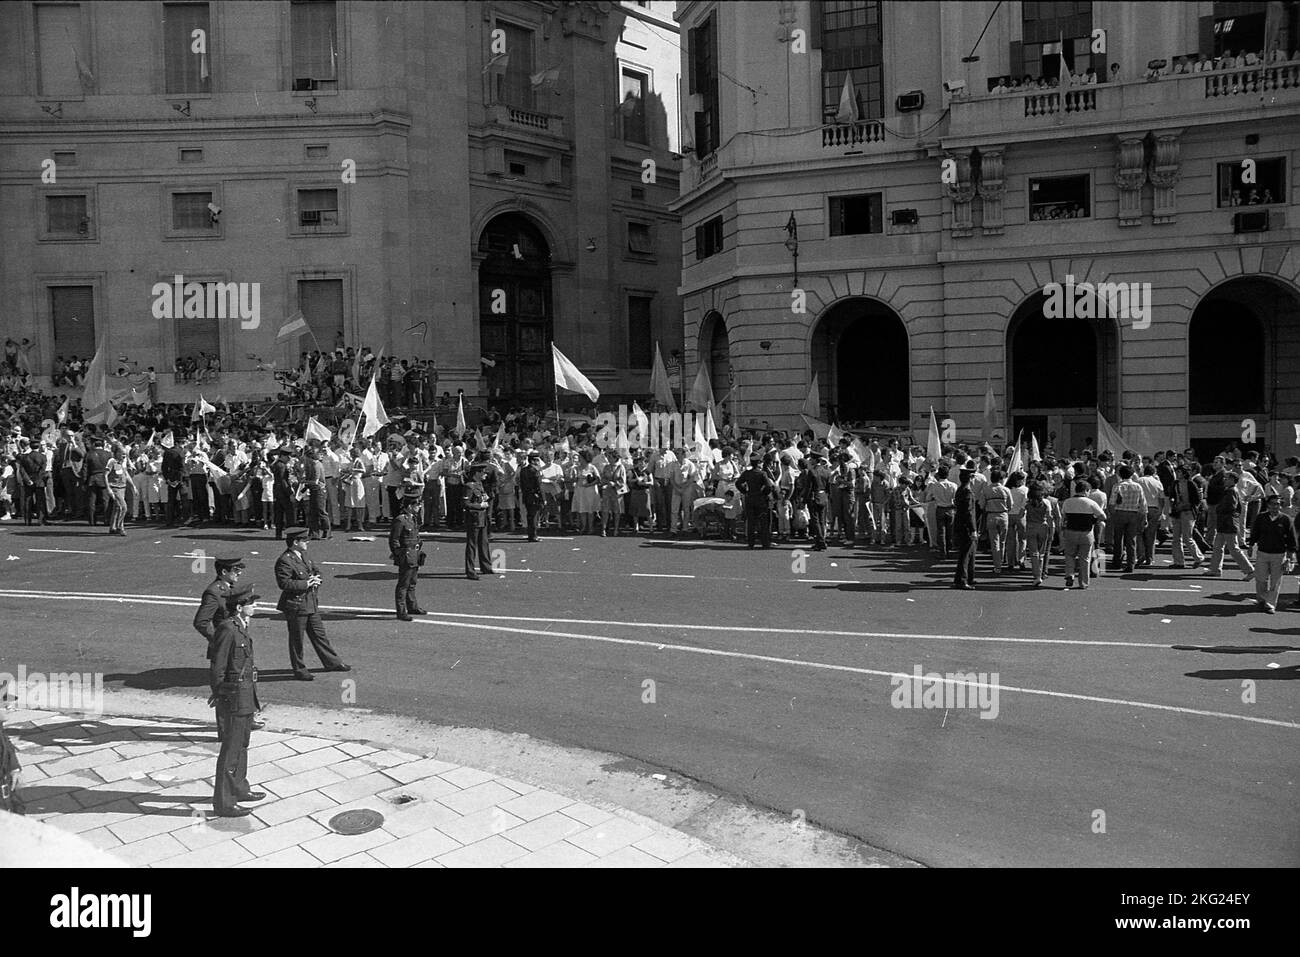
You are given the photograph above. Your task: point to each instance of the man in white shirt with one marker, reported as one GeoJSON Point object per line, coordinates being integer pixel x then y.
{"type": "Point", "coordinates": [375, 459]}
{"type": "Point", "coordinates": [330, 468]}
{"type": "Point", "coordinates": [685, 481]}
{"type": "Point", "coordinates": [1156, 503]}
{"type": "Point", "coordinates": [662, 462]}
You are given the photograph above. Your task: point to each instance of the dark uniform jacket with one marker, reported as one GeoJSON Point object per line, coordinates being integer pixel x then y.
{"type": "Point", "coordinates": [757, 487]}
{"type": "Point", "coordinates": [291, 574]}
{"type": "Point", "coordinates": [964, 516]}
{"type": "Point", "coordinates": [31, 468]}
{"type": "Point", "coordinates": [404, 541]}
{"type": "Point", "coordinates": [233, 674]}
{"type": "Point", "coordinates": [173, 465]}
{"type": "Point", "coordinates": [477, 503]}
{"type": "Point", "coordinates": [280, 473]}
{"type": "Point", "coordinates": [809, 487]}
{"type": "Point", "coordinates": [212, 610]}
{"type": "Point", "coordinates": [530, 486]}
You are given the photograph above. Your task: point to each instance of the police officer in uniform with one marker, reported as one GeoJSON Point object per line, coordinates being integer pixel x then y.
{"type": "Point", "coordinates": [299, 579]}
{"type": "Point", "coordinates": [407, 551]}
{"type": "Point", "coordinates": [234, 691]}
{"type": "Point", "coordinates": [758, 489]}
{"type": "Point", "coordinates": [212, 606]}
{"type": "Point", "coordinates": [478, 516]}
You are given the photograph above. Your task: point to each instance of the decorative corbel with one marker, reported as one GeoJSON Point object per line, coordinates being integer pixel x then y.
{"type": "Point", "coordinates": [1130, 174]}
{"type": "Point", "coordinates": [962, 193]}
{"type": "Point", "coordinates": [992, 187]}
{"type": "Point", "coordinates": [1165, 172]}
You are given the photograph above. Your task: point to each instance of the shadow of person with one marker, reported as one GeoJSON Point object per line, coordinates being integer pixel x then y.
{"type": "Point", "coordinates": [1290, 673]}
{"type": "Point", "coordinates": [158, 679]}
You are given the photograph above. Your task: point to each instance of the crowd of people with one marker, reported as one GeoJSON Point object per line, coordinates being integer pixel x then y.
{"type": "Point", "coordinates": [325, 378]}
{"type": "Point", "coordinates": [156, 465]}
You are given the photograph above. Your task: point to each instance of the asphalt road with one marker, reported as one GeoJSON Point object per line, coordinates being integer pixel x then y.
{"type": "Point", "coordinates": [1120, 737]}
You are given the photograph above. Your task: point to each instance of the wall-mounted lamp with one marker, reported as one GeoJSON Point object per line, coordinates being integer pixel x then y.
{"type": "Point", "coordinates": [792, 244]}
{"type": "Point", "coordinates": [55, 111]}
{"type": "Point", "coordinates": [591, 244]}
{"type": "Point", "coordinates": [765, 344]}
{"type": "Point", "coordinates": [182, 108]}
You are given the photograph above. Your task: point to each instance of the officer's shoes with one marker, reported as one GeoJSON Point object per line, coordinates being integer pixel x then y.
{"type": "Point", "coordinates": [340, 667]}
{"type": "Point", "coordinates": [303, 676]}
{"type": "Point", "coordinates": [402, 616]}
{"type": "Point", "coordinates": [234, 812]}
{"type": "Point", "coordinates": [416, 611]}
{"type": "Point", "coordinates": [251, 797]}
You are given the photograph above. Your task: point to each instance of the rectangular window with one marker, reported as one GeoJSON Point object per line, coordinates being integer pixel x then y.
{"type": "Point", "coordinates": [321, 302]}
{"type": "Point", "coordinates": [318, 207]}
{"type": "Point", "coordinates": [708, 238]}
{"type": "Point", "coordinates": [515, 85]}
{"type": "Point", "coordinates": [195, 336]}
{"type": "Point", "coordinates": [190, 211]}
{"type": "Point", "coordinates": [66, 216]}
{"type": "Point", "coordinates": [191, 154]}
{"type": "Point", "coordinates": [64, 158]}
{"type": "Point", "coordinates": [703, 80]}
{"type": "Point", "coordinates": [640, 334]}
{"type": "Point", "coordinates": [632, 106]}
{"type": "Point", "coordinates": [1059, 197]}
{"type": "Point", "coordinates": [1269, 185]}
{"type": "Point", "coordinates": [639, 240]}
{"type": "Point", "coordinates": [60, 46]}
{"type": "Point", "coordinates": [186, 71]}
{"type": "Point", "coordinates": [314, 28]}
{"type": "Point", "coordinates": [856, 215]}
{"type": "Point", "coordinates": [1056, 29]}
{"type": "Point", "coordinates": [316, 150]}
{"type": "Point", "coordinates": [72, 309]}
{"type": "Point", "coordinates": [852, 45]}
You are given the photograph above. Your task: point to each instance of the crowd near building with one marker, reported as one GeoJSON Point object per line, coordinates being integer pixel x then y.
{"type": "Point", "coordinates": [460, 181]}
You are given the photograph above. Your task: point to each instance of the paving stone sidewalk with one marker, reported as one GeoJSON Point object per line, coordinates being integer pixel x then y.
{"type": "Point", "coordinates": [141, 790]}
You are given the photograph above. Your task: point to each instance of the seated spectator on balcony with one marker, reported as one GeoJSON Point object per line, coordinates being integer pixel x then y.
{"type": "Point", "coordinates": [1114, 73]}
{"type": "Point", "coordinates": [1090, 78]}
{"type": "Point", "coordinates": [201, 367]}
{"type": "Point", "coordinates": [1201, 64]}
{"type": "Point", "coordinates": [1180, 65]}
{"type": "Point", "coordinates": [1227, 61]}
{"type": "Point", "coordinates": [1251, 59]}
{"type": "Point", "coordinates": [1236, 197]}
{"type": "Point", "coordinates": [1072, 78]}
{"type": "Point", "coordinates": [1027, 82]}
{"type": "Point", "coordinates": [1252, 199]}
{"type": "Point", "coordinates": [214, 367]}
{"type": "Point", "coordinates": [1001, 86]}
{"type": "Point", "coordinates": [1267, 197]}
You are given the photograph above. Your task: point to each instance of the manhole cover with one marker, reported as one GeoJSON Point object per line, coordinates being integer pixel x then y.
{"type": "Point", "coordinates": [356, 822]}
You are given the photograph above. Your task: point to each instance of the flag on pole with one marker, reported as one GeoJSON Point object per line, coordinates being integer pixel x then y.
{"type": "Point", "coordinates": [701, 443]}
{"type": "Point", "coordinates": [659, 386]}
{"type": "Point", "coordinates": [498, 64]}
{"type": "Point", "coordinates": [373, 411]}
{"type": "Point", "coordinates": [295, 324]}
{"type": "Point", "coordinates": [812, 405]}
{"type": "Point", "coordinates": [168, 441]}
{"type": "Point", "coordinates": [201, 408]}
{"type": "Point", "coordinates": [96, 398]}
{"type": "Point", "coordinates": [460, 415]}
{"type": "Point", "coordinates": [1108, 438]}
{"type": "Point", "coordinates": [933, 447]}
{"type": "Point", "coordinates": [1062, 71]}
{"type": "Point", "coordinates": [702, 389]}
{"type": "Point", "coordinates": [641, 422]}
{"type": "Point", "coordinates": [317, 431]}
{"type": "Point", "coordinates": [710, 426]}
{"type": "Point", "coordinates": [833, 436]}
{"type": "Point", "coordinates": [848, 111]}
{"type": "Point", "coordinates": [500, 437]}
{"type": "Point", "coordinates": [1015, 464]}
{"type": "Point", "coordinates": [545, 76]}
{"type": "Point", "coordinates": [62, 414]}
{"type": "Point", "coordinates": [990, 410]}
{"type": "Point", "coordinates": [568, 377]}
{"type": "Point", "coordinates": [1034, 454]}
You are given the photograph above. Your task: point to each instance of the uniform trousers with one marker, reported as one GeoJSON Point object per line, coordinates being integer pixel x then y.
{"type": "Point", "coordinates": [232, 763]}
{"type": "Point", "coordinates": [314, 628]}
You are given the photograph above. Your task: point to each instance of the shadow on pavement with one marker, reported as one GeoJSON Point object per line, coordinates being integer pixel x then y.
{"type": "Point", "coordinates": [1197, 611]}
{"type": "Point", "coordinates": [1291, 673]}
{"type": "Point", "coordinates": [159, 679]}
{"type": "Point", "coordinates": [1230, 650]}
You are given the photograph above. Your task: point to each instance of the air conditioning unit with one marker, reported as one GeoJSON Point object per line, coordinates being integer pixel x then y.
{"type": "Point", "coordinates": [303, 84]}
{"type": "Point", "coordinates": [309, 217]}
{"type": "Point", "coordinates": [1255, 221]}
{"type": "Point", "coordinates": [902, 217]}
{"type": "Point", "coordinates": [910, 102]}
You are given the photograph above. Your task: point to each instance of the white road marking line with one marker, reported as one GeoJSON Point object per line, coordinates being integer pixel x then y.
{"type": "Point", "coordinates": [680, 626]}
{"type": "Point", "coordinates": [826, 581]}
{"type": "Point", "coordinates": [1184, 590]}
{"type": "Point", "coordinates": [361, 564]}
{"type": "Point", "coordinates": [715, 652]}
{"type": "Point", "coordinates": [827, 666]}
{"type": "Point", "coordinates": [655, 575]}
{"type": "Point", "coordinates": [63, 551]}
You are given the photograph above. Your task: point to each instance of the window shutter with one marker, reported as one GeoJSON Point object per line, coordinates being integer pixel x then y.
{"type": "Point", "coordinates": [692, 46]}
{"type": "Point", "coordinates": [815, 31]}
{"type": "Point", "coordinates": [1017, 60]}
{"type": "Point", "coordinates": [1205, 36]}
{"type": "Point", "coordinates": [72, 310]}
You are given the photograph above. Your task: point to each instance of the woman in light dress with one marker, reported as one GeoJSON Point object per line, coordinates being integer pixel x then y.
{"type": "Point", "coordinates": [586, 492]}
{"type": "Point", "coordinates": [354, 491]}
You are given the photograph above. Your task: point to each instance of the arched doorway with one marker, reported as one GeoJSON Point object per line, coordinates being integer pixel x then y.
{"type": "Point", "coordinates": [515, 321]}
{"type": "Point", "coordinates": [861, 357]}
{"type": "Point", "coordinates": [715, 349]}
{"type": "Point", "coordinates": [1061, 372]}
{"type": "Point", "coordinates": [1243, 362]}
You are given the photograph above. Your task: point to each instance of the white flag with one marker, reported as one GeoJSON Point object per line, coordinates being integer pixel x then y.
{"type": "Point", "coordinates": [373, 411]}
{"type": "Point", "coordinates": [168, 440]}
{"type": "Point", "coordinates": [702, 389]}
{"type": "Point", "coordinates": [568, 377]}
{"type": "Point", "coordinates": [1034, 454]}
{"type": "Point", "coordinates": [317, 431]}
{"type": "Point", "coordinates": [812, 405]}
{"type": "Point", "coordinates": [659, 386]}
{"type": "Point", "coordinates": [460, 415]}
{"type": "Point", "coordinates": [710, 427]}
{"type": "Point", "coordinates": [848, 111]}
{"type": "Point", "coordinates": [201, 408]}
{"type": "Point", "coordinates": [62, 414]}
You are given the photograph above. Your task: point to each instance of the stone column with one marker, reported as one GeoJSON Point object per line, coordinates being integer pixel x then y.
{"type": "Point", "coordinates": [991, 189]}
{"type": "Point", "coordinates": [962, 193]}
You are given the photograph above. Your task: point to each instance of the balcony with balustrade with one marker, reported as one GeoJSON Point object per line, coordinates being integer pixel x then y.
{"type": "Point", "coordinates": [1185, 99]}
